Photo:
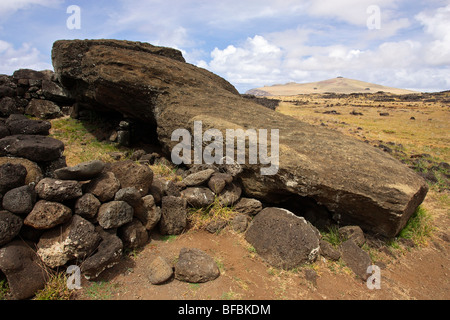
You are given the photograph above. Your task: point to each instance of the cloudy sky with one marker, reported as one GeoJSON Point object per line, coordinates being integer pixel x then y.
{"type": "Point", "coordinates": [251, 43]}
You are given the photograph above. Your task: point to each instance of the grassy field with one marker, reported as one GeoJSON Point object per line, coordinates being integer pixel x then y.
{"type": "Point", "coordinates": [355, 115]}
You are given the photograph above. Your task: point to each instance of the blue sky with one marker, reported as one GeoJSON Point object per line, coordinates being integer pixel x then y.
{"type": "Point", "coordinates": [252, 43]}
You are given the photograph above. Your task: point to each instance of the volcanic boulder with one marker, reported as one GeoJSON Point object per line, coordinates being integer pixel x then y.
{"type": "Point", "coordinates": [360, 184]}
{"type": "Point", "coordinates": [75, 239]}
{"type": "Point", "coordinates": [283, 239]}
{"type": "Point", "coordinates": [23, 269]}
{"type": "Point", "coordinates": [32, 147]}
{"type": "Point", "coordinates": [195, 266]}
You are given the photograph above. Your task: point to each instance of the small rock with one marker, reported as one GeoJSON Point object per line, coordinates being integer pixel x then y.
{"type": "Point", "coordinates": [216, 226]}
{"type": "Point", "coordinates": [250, 207]}
{"type": "Point", "coordinates": [54, 92]}
{"type": "Point", "coordinates": [151, 157]}
{"type": "Point", "coordinates": [356, 259]}
{"type": "Point", "coordinates": [8, 106]}
{"type": "Point", "coordinates": [147, 212]}
{"type": "Point", "coordinates": [137, 155]}
{"type": "Point", "coordinates": [172, 189]}
{"type": "Point", "coordinates": [10, 226]}
{"type": "Point", "coordinates": [32, 75]}
{"type": "Point", "coordinates": [133, 234]}
{"type": "Point", "coordinates": [20, 200]}
{"type": "Point", "coordinates": [11, 176]}
{"type": "Point", "coordinates": [230, 195]}
{"type": "Point", "coordinates": [328, 251]}
{"type": "Point", "coordinates": [198, 197]}
{"type": "Point", "coordinates": [34, 172]}
{"type": "Point", "coordinates": [124, 125]}
{"type": "Point", "coordinates": [107, 255]}
{"type": "Point", "coordinates": [76, 239]}
{"type": "Point", "coordinates": [429, 176]}
{"type": "Point", "coordinates": [81, 172]}
{"type": "Point", "coordinates": [198, 178]}
{"type": "Point", "coordinates": [173, 215]}
{"type": "Point", "coordinates": [87, 206]}
{"type": "Point", "coordinates": [114, 214]}
{"type": "Point", "coordinates": [130, 195]}
{"type": "Point", "coordinates": [240, 223]}
{"type": "Point", "coordinates": [113, 138]}
{"type": "Point", "coordinates": [58, 190]}
{"type": "Point", "coordinates": [157, 190]}
{"type": "Point", "coordinates": [159, 271]}
{"type": "Point", "coordinates": [131, 174]}
{"type": "Point", "coordinates": [352, 232]}
{"type": "Point", "coordinates": [43, 109]}
{"type": "Point", "coordinates": [218, 181]}
{"type": "Point", "coordinates": [195, 266]}
{"type": "Point", "coordinates": [23, 269]}
{"type": "Point", "coordinates": [124, 138]}
{"type": "Point", "coordinates": [115, 155]}
{"type": "Point", "coordinates": [104, 187]}
{"type": "Point", "coordinates": [232, 168]}
{"type": "Point", "coordinates": [46, 215]}
{"type": "Point", "coordinates": [355, 113]}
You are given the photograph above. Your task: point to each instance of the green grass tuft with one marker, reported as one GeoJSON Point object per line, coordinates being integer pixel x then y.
{"type": "Point", "coordinates": [332, 236]}
{"type": "Point", "coordinates": [4, 289]}
{"type": "Point", "coordinates": [419, 227]}
{"type": "Point", "coordinates": [81, 142]}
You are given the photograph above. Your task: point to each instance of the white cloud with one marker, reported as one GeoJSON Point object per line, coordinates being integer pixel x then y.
{"type": "Point", "coordinates": [437, 25]}
{"type": "Point", "coordinates": [172, 23]}
{"type": "Point", "coordinates": [260, 61]}
{"type": "Point", "coordinates": [359, 12]}
{"type": "Point", "coordinates": [10, 6]}
{"type": "Point", "coordinates": [351, 11]}
{"type": "Point", "coordinates": [12, 59]}
{"type": "Point", "coordinates": [256, 61]}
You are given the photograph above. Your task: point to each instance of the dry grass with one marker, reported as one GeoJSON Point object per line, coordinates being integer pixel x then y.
{"type": "Point", "coordinates": [81, 142]}
{"type": "Point", "coordinates": [428, 133]}
{"type": "Point", "coordinates": [56, 288]}
{"type": "Point", "coordinates": [338, 85]}
{"type": "Point", "coordinates": [216, 212]}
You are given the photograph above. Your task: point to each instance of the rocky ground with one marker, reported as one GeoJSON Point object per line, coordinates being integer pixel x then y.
{"type": "Point", "coordinates": [141, 228]}
{"type": "Point", "coordinates": [409, 270]}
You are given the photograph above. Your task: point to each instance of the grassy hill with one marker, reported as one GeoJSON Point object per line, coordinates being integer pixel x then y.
{"type": "Point", "coordinates": [336, 85]}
